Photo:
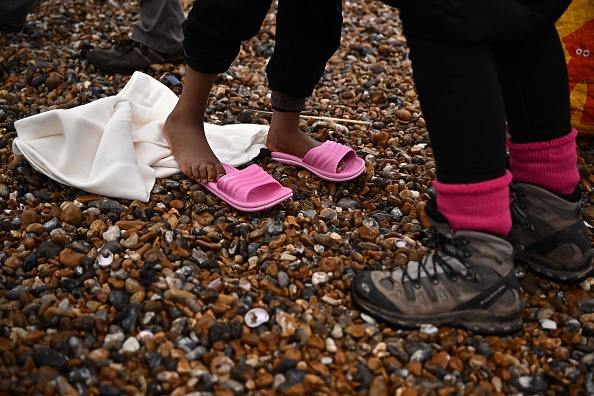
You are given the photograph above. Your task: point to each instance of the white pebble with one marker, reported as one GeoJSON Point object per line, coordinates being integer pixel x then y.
{"type": "Point", "coordinates": [112, 234]}
{"type": "Point", "coordinates": [331, 345]}
{"type": "Point", "coordinates": [367, 318]}
{"type": "Point", "coordinates": [332, 301]}
{"type": "Point", "coordinates": [130, 345]}
{"type": "Point", "coordinates": [326, 360]}
{"type": "Point", "coordinates": [319, 278]}
{"type": "Point", "coordinates": [336, 332]}
{"type": "Point", "coordinates": [548, 324]}
{"type": "Point", "coordinates": [586, 285]}
{"type": "Point", "coordinates": [429, 329]}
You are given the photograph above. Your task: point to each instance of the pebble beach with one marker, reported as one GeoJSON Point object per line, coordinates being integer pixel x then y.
{"type": "Point", "coordinates": [197, 298]}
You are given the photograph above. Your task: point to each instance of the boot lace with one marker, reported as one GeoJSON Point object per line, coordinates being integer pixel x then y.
{"type": "Point", "coordinates": [128, 45]}
{"type": "Point", "coordinates": [445, 248]}
{"type": "Point", "coordinates": [518, 206]}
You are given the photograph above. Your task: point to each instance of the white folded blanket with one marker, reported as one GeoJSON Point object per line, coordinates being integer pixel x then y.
{"type": "Point", "coordinates": [115, 147]}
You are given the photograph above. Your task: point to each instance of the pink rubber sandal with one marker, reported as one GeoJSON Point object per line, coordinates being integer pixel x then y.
{"type": "Point", "coordinates": [250, 190]}
{"type": "Point", "coordinates": [323, 161]}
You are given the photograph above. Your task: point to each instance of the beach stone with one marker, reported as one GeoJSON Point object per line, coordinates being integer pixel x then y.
{"type": "Point", "coordinates": [368, 234]}
{"type": "Point", "coordinates": [45, 356]}
{"type": "Point", "coordinates": [529, 384]}
{"type": "Point", "coordinates": [64, 388]}
{"type": "Point", "coordinates": [381, 138]}
{"type": "Point", "coordinates": [128, 316]}
{"type": "Point", "coordinates": [72, 215]}
{"type": "Point", "coordinates": [587, 306]}
{"type": "Point", "coordinates": [169, 314]}
{"type": "Point", "coordinates": [29, 216]}
{"type": "Point", "coordinates": [131, 345]}
{"type": "Point", "coordinates": [5, 344]}
{"type": "Point", "coordinates": [403, 114]}
{"type": "Point", "coordinates": [70, 258]}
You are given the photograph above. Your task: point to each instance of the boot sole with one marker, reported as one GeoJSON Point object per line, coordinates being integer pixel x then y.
{"type": "Point", "coordinates": [490, 325]}
{"type": "Point", "coordinates": [561, 276]}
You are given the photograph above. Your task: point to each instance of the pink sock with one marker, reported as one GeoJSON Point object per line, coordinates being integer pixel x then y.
{"type": "Point", "coordinates": [550, 164]}
{"type": "Point", "coordinates": [482, 206]}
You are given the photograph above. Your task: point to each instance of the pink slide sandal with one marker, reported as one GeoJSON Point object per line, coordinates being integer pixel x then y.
{"type": "Point", "coordinates": [250, 189]}
{"type": "Point", "coordinates": [323, 161]}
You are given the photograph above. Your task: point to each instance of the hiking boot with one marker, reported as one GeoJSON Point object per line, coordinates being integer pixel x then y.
{"type": "Point", "coordinates": [468, 281]}
{"type": "Point", "coordinates": [128, 56]}
{"type": "Point", "coordinates": [549, 233]}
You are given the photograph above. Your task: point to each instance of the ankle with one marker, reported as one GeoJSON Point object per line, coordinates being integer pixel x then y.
{"type": "Point", "coordinates": [550, 165]}
{"type": "Point", "coordinates": [482, 206]}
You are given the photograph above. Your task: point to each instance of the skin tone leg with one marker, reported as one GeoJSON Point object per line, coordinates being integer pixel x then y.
{"type": "Point", "coordinates": [285, 136]}
{"type": "Point", "coordinates": [184, 131]}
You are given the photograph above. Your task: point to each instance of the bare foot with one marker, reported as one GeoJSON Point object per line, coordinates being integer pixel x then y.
{"type": "Point", "coordinates": [285, 136]}
{"type": "Point", "coordinates": [291, 141]}
{"type": "Point", "coordinates": [191, 150]}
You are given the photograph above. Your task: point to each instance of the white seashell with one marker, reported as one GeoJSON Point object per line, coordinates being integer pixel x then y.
{"type": "Point", "coordinates": [105, 258]}
{"type": "Point", "coordinates": [401, 243]}
{"type": "Point", "coordinates": [256, 316]}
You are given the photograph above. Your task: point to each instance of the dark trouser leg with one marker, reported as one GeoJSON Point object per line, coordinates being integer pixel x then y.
{"type": "Point", "coordinates": [160, 26]}
{"type": "Point", "coordinates": [307, 35]}
{"type": "Point", "coordinates": [462, 103]}
{"type": "Point", "coordinates": [535, 86]}
{"type": "Point", "coordinates": [491, 64]}
{"type": "Point", "coordinates": [14, 14]}
{"type": "Point", "coordinates": [215, 29]}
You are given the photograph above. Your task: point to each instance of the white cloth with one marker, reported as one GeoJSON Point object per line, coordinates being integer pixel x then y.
{"type": "Point", "coordinates": [115, 146]}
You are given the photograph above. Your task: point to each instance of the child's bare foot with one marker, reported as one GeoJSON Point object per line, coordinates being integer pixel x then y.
{"type": "Point", "coordinates": [285, 136]}
{"type": "Point", "coordinates": [191, 150]}
{"type": "Point", "coordinates": [291, 141]}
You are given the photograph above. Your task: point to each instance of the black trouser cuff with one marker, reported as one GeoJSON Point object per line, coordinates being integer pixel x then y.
{"type": "Point", "coordinates": [287, 103]}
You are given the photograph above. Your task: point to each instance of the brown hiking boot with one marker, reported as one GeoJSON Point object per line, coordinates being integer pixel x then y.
{"type": "Point", "coordinates": [128, 56]}
{"type": "Point", "coordinates": [468, 281]}
{"type": "Point", "coordinates": [549, 233]}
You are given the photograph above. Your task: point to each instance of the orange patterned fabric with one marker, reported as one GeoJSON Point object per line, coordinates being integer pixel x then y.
{"type": "Point", "coordinates": [576, 29]}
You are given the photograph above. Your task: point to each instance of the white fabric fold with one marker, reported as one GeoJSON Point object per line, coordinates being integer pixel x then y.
{"type": "Point", "coordinates": [115, 146]}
